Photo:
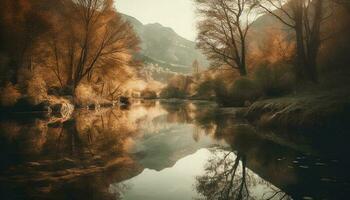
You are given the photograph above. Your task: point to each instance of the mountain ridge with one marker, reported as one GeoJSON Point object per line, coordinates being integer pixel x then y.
{"type": "Point", "coordinates": [162, 46]}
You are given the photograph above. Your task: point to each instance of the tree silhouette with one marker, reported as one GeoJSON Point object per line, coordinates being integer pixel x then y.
{"type": "Point", "coordinates": [223, 31]}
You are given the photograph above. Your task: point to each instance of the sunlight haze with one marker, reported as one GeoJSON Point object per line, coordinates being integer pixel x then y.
{"type": "Point", "coordinates": [179, 14]}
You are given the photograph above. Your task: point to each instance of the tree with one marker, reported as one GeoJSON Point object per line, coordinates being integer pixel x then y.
{"type": "Point", "coordinates": [105, 37]}
{"type": "Point", "coordinates": [305, 17]}
{"type": "Point", "coordinates": [223, 31]}
{"type": "Point", "coordinates": [92, 39]}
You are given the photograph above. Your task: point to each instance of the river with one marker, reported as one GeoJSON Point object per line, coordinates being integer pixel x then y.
{"type": "Point", "coordinates": [165, 149]}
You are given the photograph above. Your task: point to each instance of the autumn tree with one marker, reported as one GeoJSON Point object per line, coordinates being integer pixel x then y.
{"type": "Point", "coordinates": [105, 37]}
{"type": "Point", "coordinates": [276, 48]}
{"type": "Point", "coordinates": [92, 40]}
{"type": "Point", "coordinates": [305, 17]}
{"type": "Point", "coordinates": [223, 30]}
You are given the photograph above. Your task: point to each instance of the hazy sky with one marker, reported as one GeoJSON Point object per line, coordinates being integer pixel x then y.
{"type": "Point", "coordinates": [177, 14]}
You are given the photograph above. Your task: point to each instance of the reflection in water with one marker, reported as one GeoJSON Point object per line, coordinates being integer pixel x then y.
{"type": "Point", "coordinates": [161, 150]}
{"type": "Point", "coordinates": [74, 159]}
{"type": "Point", "coordinates": [227, 177]}
{"type": "Point", "coordinates": [223, 179]}
{"type": "Point", "coordinates": [173, 183]}
{"type": "Point", "coordinates": [218, 173]}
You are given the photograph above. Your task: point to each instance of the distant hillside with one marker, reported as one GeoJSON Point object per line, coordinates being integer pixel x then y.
{"type": "Point", "coordinates": [162, 46]}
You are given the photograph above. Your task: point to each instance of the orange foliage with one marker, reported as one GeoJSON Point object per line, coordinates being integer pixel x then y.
{"type": "Point", "coordinates": [274, 49]}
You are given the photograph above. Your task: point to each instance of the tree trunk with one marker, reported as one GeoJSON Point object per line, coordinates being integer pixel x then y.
{"type": "Point", "coordinates": [315, 41]}
{"type": "Point", "coordinates": [300, 56]}
{"type": "Point", "coordinates": [243, 71]}
{"type": "Point", "coordinates": [300, 48]}
{"type": "Point", "coordinates": [243, 67]}
{"type": "Point", "coordinates": [312, 69]}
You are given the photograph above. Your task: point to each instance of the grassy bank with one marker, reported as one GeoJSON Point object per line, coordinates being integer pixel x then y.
{"type": "Point", "coordinates": [303, 111]}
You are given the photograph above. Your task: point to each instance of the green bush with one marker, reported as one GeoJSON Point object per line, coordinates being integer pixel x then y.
{"type": "Point", "coordinates": [275, 80]}
{"type": "Point", "coordinates": [173, 92]}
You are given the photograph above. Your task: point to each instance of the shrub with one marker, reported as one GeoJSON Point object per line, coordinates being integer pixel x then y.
{"type": "Point", "coordinates": [221, 92]}
{"type": "Point", "coordinates": [148, 94]}
{"type": "Point", "coordinates": [275, 80]}
{"type": "Point", "coordinates": [9, 95]}
{"type": "Point", "coordinates": [238, 94]}
{"type": "Point", "coordinates": [244, 90]}
{"type": "Point", "coordinates": [173, 92]}
{"type": "Point", "coordinates": [206, 89]}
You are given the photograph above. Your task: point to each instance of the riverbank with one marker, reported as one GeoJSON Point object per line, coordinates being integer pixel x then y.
{"type": "Point", "coordinates": [52, 105]}
{"type": "Point", "coordinates": [58, 106]}
{"type": "Point", "coordinates": [322, 110]}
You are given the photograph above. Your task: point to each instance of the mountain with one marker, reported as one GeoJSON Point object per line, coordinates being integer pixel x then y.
{"type": "Point", "coordinates": [163, 47]}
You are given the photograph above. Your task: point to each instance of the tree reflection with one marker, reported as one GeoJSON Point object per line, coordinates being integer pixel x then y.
{"type": "Point", "coordinates": [257, 150]}
{"type": "Point", "coordinates": [225, 178]}
{"type": "Point", "coordinates": [74, 159]}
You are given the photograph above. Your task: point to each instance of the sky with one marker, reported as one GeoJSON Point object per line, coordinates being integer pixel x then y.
{"type": "Point", "coordinates": [176, 14]}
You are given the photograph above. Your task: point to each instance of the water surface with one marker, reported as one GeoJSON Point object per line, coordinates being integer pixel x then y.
{"type": "Point", "coordinates": [162, 150]}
